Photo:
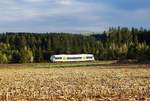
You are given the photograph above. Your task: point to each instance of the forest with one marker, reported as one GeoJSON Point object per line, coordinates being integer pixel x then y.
{"type": "Point", "coordinates": [117, 43]}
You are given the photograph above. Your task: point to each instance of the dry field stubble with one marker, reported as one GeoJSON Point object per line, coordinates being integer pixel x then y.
{"type": "Point", "coordinates": [100, 83]}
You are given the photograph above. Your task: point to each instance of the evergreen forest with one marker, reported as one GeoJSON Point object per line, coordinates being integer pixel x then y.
{"type": "Point", "coordinates": [119, 43]}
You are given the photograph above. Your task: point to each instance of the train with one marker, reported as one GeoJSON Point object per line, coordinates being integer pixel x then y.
{"type": "Point", "coordinates": [72, 57]}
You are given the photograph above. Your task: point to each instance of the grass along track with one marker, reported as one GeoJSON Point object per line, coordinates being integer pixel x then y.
{"type": "Point", "coordinates": [58, 65]}
{"type": "Point", "coordinates": [92, 83]}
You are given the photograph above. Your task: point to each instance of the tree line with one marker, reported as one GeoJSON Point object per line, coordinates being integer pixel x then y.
{"type": "Point", "coordinates": [120, 43]}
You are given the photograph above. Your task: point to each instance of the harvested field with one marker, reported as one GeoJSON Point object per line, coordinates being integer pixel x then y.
{"type": "Point", "coordinates": [91, 83]}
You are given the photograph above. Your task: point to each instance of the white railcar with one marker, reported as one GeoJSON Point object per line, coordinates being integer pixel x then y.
{"type": "Point", "coordinates": [72, 57]}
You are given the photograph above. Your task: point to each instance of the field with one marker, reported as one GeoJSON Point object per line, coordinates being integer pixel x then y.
{"type": "Point", "coordinates": [99, 81]}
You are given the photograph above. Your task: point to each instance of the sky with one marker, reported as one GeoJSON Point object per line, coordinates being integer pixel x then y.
{"type": "Point", "coordinates": [72, 15]}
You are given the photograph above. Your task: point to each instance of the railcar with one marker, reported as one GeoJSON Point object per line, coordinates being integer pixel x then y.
{"type": "Point", "coordinates": [72, 57]}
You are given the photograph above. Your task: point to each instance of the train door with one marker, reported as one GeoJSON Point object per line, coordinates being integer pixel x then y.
{"type": "Point", "coordinates": [64, 58]}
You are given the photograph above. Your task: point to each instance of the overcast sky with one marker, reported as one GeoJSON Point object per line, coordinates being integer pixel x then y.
{"type": "Point", "coordinates": [72, 15]}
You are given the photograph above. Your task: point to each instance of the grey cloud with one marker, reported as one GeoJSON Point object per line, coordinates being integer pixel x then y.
{"type": "Point", "coordinates": [66, 15]}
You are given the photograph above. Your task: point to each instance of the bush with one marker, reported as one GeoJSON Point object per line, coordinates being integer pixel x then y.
{"type": "Point", "coordinates": [26, 56]}
{"type": "Point", "coordinates": [3, 58]}
{"type": "Point", "coordinates": [143, 53]}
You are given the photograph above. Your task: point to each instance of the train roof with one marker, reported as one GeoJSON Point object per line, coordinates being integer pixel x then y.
{"type": "Point", "coordinates": [72, 55]}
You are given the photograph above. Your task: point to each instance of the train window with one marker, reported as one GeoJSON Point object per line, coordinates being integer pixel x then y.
{"type": "Point", "coordinates": [89, 57]}
{"type": "Point", "coordinates": [74, 57]}
{"type": "Point", "coordinates": [58, 57]}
